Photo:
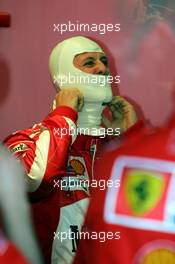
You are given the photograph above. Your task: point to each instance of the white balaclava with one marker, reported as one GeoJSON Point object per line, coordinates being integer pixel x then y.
{"type": "Point", "coordinates": [95, 91]}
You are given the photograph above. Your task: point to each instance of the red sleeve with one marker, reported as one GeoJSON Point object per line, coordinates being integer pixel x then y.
{"type": "Point", "coordinates": [43, 149]}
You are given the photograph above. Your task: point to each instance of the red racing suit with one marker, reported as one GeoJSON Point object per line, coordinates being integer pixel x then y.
{"type": "Point", "coordinates": [133, 223]}
{"type": "Point", "coordinates": [51, 159]}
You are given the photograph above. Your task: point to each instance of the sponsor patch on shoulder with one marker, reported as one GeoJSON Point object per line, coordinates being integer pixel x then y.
{"type": "Point", "coordinates": [19, 148]}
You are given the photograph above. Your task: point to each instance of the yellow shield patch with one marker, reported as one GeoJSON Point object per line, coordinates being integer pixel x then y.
{"type": "Point", "coordinates": [143, 190]}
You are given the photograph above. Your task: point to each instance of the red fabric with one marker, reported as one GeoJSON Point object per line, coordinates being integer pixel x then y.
{"type": "Point", "coordinates": [9, 253]}
{"type": "Point", "coordinates": [67, 112]}
{"type": "Point", "coordinates": [47, 199]}
{"type": "Point", "coordinates": [136, 244]}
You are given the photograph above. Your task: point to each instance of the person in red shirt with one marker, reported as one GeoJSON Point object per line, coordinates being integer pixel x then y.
{"type": "Point", "coordinates": [131, 220]}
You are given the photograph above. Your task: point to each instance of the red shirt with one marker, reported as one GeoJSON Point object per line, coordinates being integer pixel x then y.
{"type": "Point", "coordinates": [134, 223]}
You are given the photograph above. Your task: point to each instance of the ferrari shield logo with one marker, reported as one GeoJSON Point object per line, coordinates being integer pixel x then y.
{"type": "Point", "coordinates": [143, 190]}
